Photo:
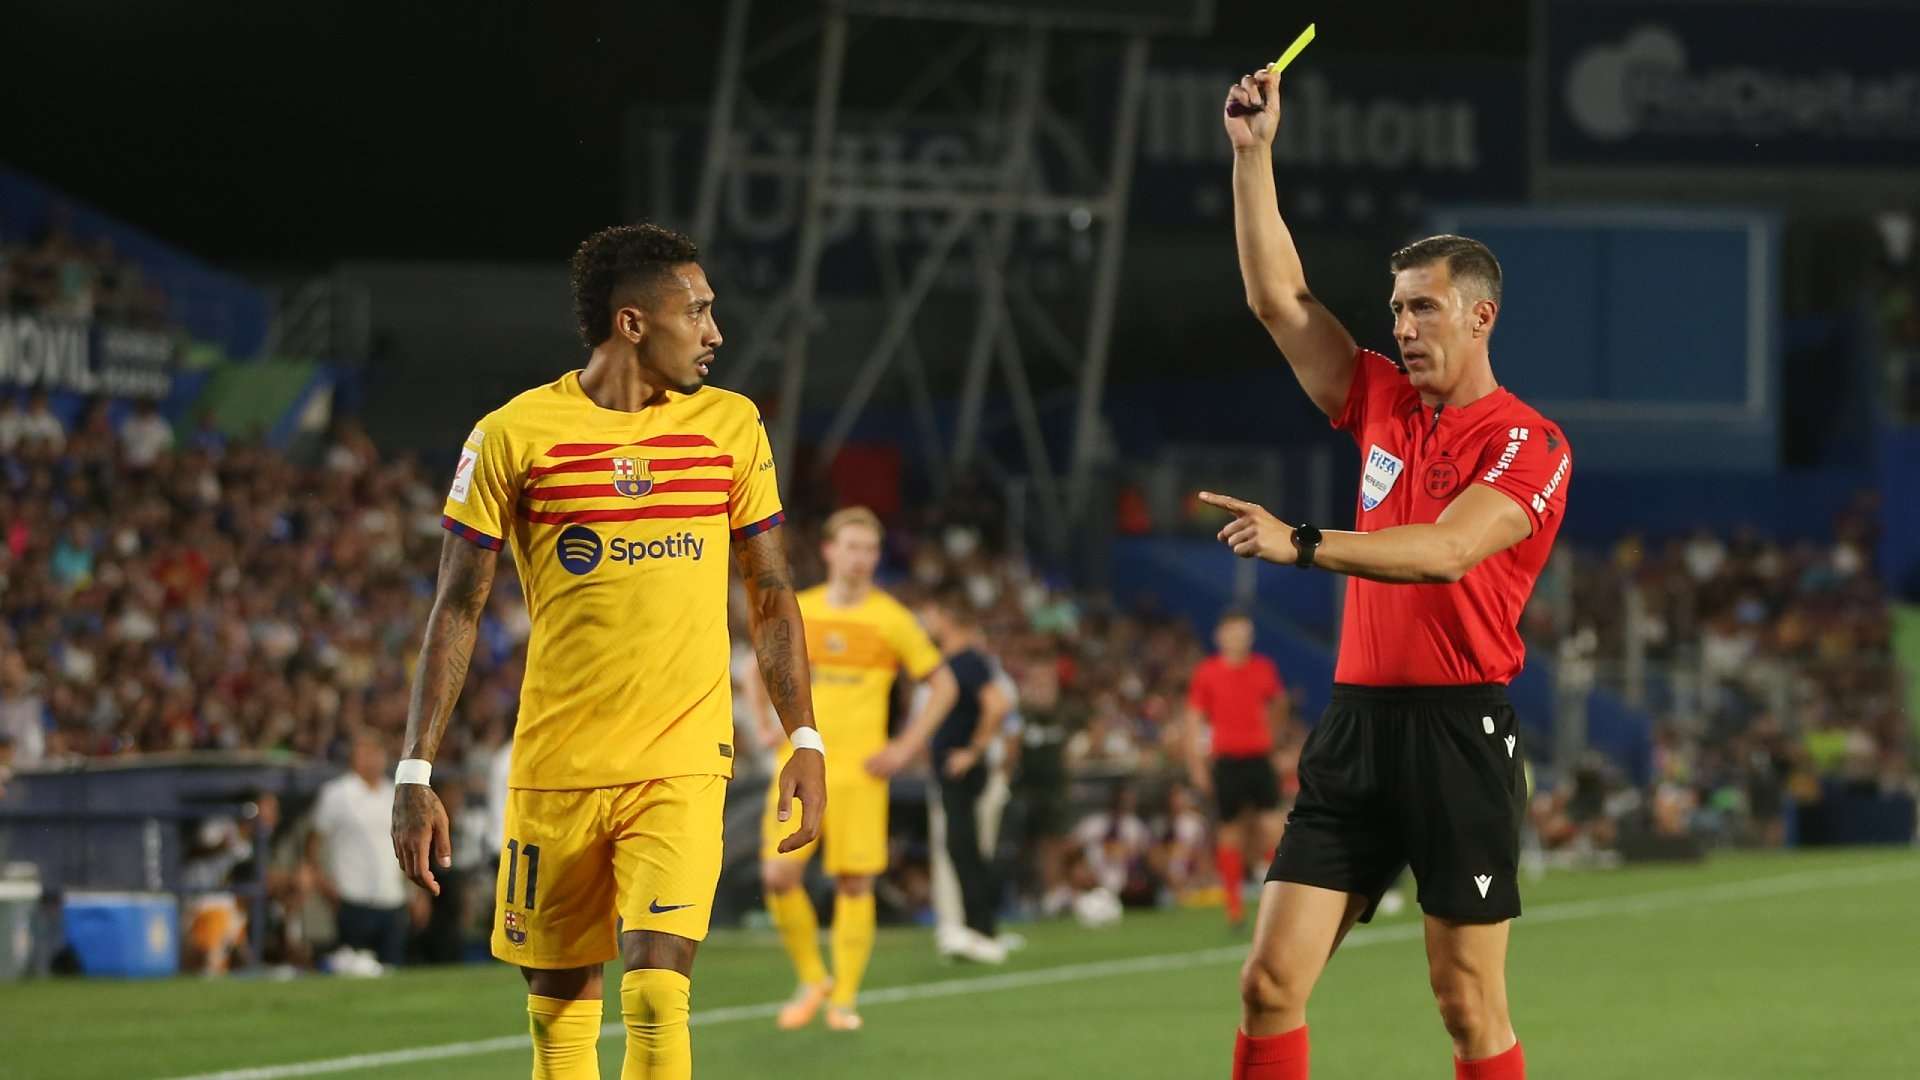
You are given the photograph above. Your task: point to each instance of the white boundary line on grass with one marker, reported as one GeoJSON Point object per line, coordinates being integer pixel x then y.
{"type": "Point", "coordinates": [1568, 911]}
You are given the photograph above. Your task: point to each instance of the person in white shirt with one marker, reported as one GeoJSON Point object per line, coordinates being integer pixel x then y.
{"type": "Point", "coordinates": [39, 427]}
{"type": "Point", "coordinates": [1115, 842]}
{"type": "Point", "coordinates": [23, 712]}
{"type": "Point", "coordinates": [352, 821]}
{"type": "Point", "coordinates": [499, 768]}
{"type": "Point", "coordinates": [145, 435]}
{"type": "Point", "coordinates": [13, 422]}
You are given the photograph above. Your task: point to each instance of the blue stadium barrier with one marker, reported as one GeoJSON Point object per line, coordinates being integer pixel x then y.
{"type": "Point", "coordinates": [1899, 483]}
{"type": "Point", "coordinates": [1848, 815]}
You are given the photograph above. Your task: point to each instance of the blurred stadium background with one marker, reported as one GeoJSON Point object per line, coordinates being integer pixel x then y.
{"type": "Point", "coordinates": [261, 268]}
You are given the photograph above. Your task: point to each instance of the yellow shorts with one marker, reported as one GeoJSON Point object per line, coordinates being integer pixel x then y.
{"type": "Point", "coordinates": [855, 831]}
{"type": "Point", "coordinates": [573, 860]}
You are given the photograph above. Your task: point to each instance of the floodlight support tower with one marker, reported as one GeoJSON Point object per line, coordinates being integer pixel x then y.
{"type": "Point", "coordinates": [979, 209]}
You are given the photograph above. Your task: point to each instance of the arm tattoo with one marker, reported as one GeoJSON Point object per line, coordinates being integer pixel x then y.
{"type": "Point", "coordinates": [779, 637]}
{"type": "Point", "coordinates": [466, 577]}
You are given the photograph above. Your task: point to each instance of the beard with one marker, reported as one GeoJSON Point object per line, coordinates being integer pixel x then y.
{"type": "Point", "coordinates": [674, 377]}
{"type": "Point", "coordinates": [695, 380]}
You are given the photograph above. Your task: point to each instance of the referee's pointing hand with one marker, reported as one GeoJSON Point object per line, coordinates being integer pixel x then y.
{"type": "Point", "coordinates": [1253, 531]}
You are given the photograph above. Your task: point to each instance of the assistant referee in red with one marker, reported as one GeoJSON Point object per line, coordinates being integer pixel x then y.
{"type": "Point", "coordinates": [1416, 760]}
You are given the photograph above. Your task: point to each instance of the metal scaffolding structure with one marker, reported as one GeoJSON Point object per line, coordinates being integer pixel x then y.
{"type": "Point", "coordinates": [996, 72]}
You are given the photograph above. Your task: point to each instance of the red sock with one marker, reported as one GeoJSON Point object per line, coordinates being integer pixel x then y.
{"type": "Point", "coordinates": [1233, 874]}
{"type": "Point", "coordinates": [1511, 1065]}
{"type": "Point", "coordinates": [1275, 1057]}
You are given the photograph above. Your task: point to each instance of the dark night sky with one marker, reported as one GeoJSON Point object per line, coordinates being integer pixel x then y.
{"type": "Point", "coordinates": [263, 134]}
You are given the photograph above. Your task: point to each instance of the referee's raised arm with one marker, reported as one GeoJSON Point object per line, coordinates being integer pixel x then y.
{"type": "Point", "coordinates": [1316, 346]}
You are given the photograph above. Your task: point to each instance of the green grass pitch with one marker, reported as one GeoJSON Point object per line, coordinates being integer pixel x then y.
{"type": "Point", "coordinates": [1802, 965]}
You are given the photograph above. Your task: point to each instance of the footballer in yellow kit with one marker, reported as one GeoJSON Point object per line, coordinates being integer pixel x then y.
{"type": "Point", "coordinates": [858, 638]}
{"type": "Point", "coordinates": [620, 489]}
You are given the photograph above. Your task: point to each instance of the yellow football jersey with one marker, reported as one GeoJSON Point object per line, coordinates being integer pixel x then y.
{"type": "Point", "coordinates": [854, 653]}
{"type": "Point", "coordinates": [620, 523]}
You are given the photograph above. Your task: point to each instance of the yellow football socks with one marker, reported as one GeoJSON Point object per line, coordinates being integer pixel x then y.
{"type": "Point", "coordinates": [852, 946]}
{"type": "Point", "coordinates": [799, 927]}
{"type": "Point", "coordinates": [566, 1037]}
{"type": "Point", "coordinates": [655, 1002]}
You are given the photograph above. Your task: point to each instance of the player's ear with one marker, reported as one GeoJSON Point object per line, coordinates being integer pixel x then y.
{"type": "Point", "coordinates": [1485, 312]}
{"type": "Point", "coordinates": [630, 322]}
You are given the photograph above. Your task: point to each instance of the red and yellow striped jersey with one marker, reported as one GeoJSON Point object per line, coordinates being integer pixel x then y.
{"type": "Point", "coordinates": [620, 523]}
{"type": "Point", "coordinates": [854, 654]}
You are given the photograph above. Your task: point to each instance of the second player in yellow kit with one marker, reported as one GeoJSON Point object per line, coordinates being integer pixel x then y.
{"type": "Point", "coordinates": [858, 639]}
{"type": "Point", "coordinates": [621, 489]}
{"type": "Point", "coordinates": [855, 653]}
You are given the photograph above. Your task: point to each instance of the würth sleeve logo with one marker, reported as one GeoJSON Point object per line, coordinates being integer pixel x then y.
{"type": "Point", "coordinates": [1515, 437]}
{"type": "Point", "coordinates": [1541, 497]}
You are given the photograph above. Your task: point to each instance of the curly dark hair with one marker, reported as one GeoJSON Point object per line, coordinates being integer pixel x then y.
{"type": "Point", "coordinates": [616, 258]}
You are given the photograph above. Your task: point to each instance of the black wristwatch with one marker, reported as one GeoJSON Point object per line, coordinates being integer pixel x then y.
{"type": "Point", "coordinates": [1306, 541]}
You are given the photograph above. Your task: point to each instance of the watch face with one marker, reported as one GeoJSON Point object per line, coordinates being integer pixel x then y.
{"type": "Point", "coordinates": [1305, 539]}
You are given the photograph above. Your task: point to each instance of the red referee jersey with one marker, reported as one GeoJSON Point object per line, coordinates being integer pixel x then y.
{"type": "Point", "coordinates": [1235, 699]}
{"type": "Point", "coordinates": [1414, 460]}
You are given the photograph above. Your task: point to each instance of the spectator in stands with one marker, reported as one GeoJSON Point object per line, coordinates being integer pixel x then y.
{"type": "Point", "coordinates": [351, 822]}
{"type": "Point", "coordinates": [1578, 816]}
{"type": "Point", "coordinates": [38, 428]}
{"type": "Point", "coordinates": [215, 922]}
{"type": "Point", "coordinates": [13, 419]}
{"type": "Point", "coordinates": [1107, 740]}
{"type": "Point", "coordinates": [1115, 844]}
{"type": "Point", "coordinates": [145, 435]}
{"type": "Point", "coordinates": [23, 712]}
{"type": "Point", "coordinates": [71, 563]}
{"type": "Point", "coordinates": [207, 438]}
{"type": "Point", "coordinates": [1183, 846]}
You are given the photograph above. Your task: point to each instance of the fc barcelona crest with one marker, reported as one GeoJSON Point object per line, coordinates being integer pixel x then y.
{"type": "Point", "coordinates": [516, 928]}
{"type": "Point", "coordinates": [632, 477]}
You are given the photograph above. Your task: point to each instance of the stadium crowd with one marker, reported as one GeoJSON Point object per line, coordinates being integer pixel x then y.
{"type": "Point", "coordinates": [58, 274]}
{"type": "Point", "coordinates": [177, 594]}
{"type": "Point", "coordinates": [1769, 666]}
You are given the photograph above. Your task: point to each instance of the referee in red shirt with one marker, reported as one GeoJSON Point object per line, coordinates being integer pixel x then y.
{"type": "Point", "coordinates": [1416, 760]}
{"type": "Point", "coordinates": [1235, 693]}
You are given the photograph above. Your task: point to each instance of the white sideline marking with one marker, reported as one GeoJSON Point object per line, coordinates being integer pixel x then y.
{"type": "Point", "coordinates": [1568, 911]}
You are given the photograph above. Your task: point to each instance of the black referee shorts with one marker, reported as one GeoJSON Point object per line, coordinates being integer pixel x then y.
{"type": "Point", "coordinates": [1426, 776]}
{"type": "Point", "coordinates": [1244, 783]}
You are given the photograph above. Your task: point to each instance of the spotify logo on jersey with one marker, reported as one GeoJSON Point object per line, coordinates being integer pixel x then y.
{"type": "Point", "coordinates": [578, 549]}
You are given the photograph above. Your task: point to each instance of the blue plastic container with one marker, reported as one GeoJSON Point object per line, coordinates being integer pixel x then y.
{"type": "Point", "coordinates": [130, 935]}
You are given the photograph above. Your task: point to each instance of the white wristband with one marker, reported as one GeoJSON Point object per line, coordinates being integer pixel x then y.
{"type": "Point", "coordinates": [806, 738]}
{"type": "Point", "coordinates": [413, 771]}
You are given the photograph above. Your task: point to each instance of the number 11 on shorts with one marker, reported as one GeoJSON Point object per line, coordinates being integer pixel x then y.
{"type": "Point", "coordinates": [532, 852]}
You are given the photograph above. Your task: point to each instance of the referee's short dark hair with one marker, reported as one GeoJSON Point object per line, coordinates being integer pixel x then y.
{"type": "Point", "coordinates": [618, 259]}
{"type": "Point", "coordinates": [1467, 259]}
